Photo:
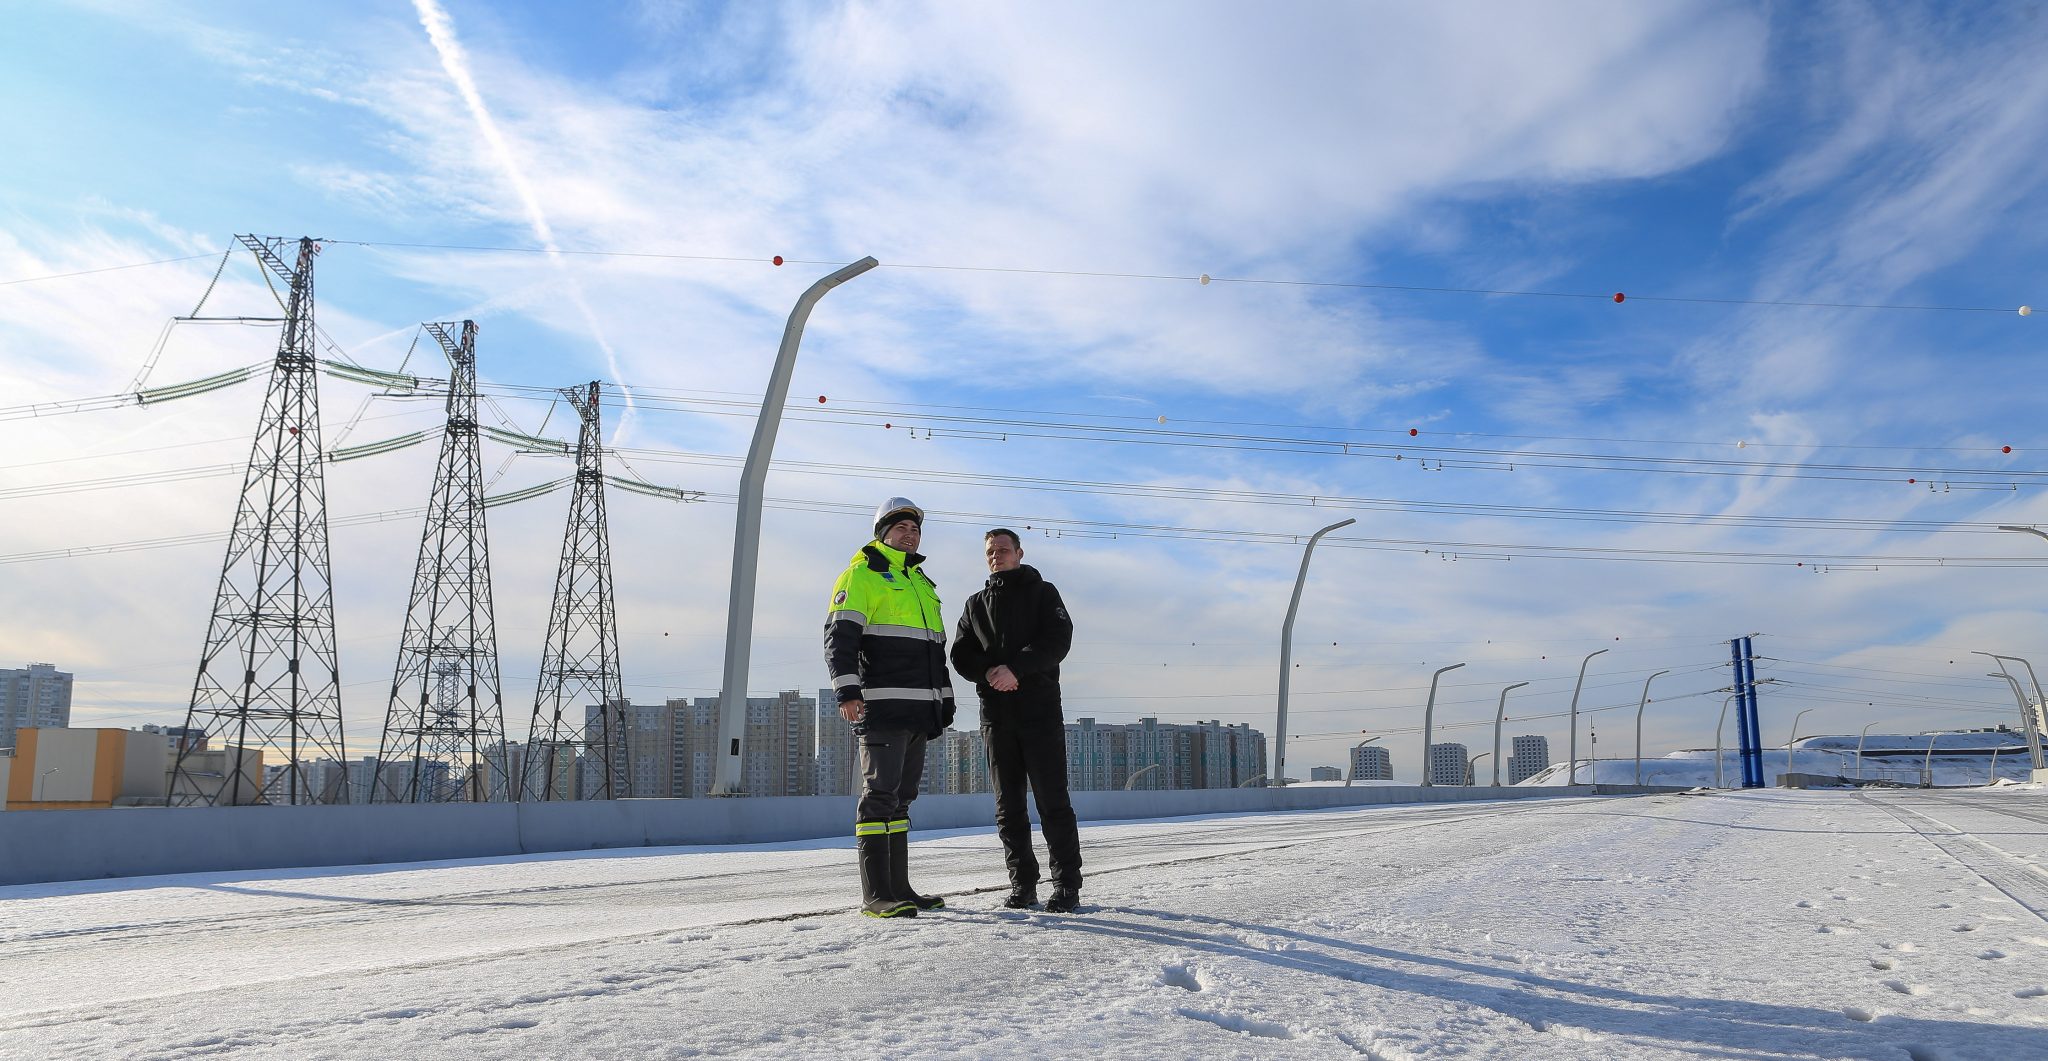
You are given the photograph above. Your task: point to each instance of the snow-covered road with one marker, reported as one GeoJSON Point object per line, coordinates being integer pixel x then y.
{"type": "Point", "coordinates": [1908, 925]}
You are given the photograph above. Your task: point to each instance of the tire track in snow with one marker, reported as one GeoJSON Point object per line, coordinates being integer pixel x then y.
{"type": "Point", "coordinates": [2021, 883]}
{"type": "Point", "coordinates": [1294, 835]}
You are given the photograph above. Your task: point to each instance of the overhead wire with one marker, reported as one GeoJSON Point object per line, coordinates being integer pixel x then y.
{"type": "Point", "coordinates": [1204, 279]}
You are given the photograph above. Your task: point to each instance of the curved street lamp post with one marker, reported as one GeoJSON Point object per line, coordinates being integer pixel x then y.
{"type": "Point", "coordinates": [1287, 652]}
{"type": "Point", "coordinates": [1860, 738]}
{"type": "Point", "coordinates": [746, 537]}
{"type": "Point", "coordinates": [1429, 719]}
{"type": "Point", "coordinates": [1720, 729]}
{"type": "Point", "coordinates": [1793, 736]}
{"type": "Point", "coordinates": [1500, 715]}
{"type": "Point", "coordinates": [1573, 779]}
{"type": "Point", "coordinates": [1640, 704]}
{"type": "Point", "coordinates": [2027, 719]}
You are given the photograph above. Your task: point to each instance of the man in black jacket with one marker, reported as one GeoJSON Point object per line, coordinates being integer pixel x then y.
{"type": "Point", "coordinates": [1009, 644]}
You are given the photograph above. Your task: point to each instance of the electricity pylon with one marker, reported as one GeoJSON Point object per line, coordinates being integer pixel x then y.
{"type": "Point", "coordinates": [445, 727]}
{"type": "Point", "coordinates": [579, 705]}
{"type": "Point", "coordinates": [268, 683]}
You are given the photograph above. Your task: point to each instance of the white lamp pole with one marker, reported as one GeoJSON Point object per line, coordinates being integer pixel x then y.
{"type": "Point", "coordinates": [1429, 719]}
{"type": "Point", "coordinates": [746, 536]}
{"type": "Point", "coordinates": [1500, 715]}
{"type": "Point", "coordinates": [1640, 704]}
{"type": "Point", "coordinates": [1720, 728]}
{"type": "Point", "coordinates": [1287, 652]}
{"type": "Point", "coordinates": [1793, 737]}
{"type": "Point", "coordinates": [1860, 737]}
{"type": "Point", "coordinates": [1573, 779]}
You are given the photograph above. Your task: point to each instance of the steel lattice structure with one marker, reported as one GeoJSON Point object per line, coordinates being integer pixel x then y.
{"type": "Point", "coordinates": [579, 705]}
{"type": "Point", "coordinates": [268, 682]}
{"type": "Point", "coordinates": [444, 730]}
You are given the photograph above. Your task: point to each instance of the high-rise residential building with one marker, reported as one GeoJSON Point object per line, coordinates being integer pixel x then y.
{"type": "Point", "coordinates": [648, 751]}
{"type": "Point", "coordinates": [503, 763]}
{"type": "Point", "coordinates": [961, 758]}
{"type": "Point", "coordinates": [1370, 762]}
{"type": "Point", "coordinates": [693, 755]}
{"type": "Point", "coordinates": [1149, 754]}
{"type": "Point", "coordinates": [780, 746]}
{"type": "Point", "coordinates": [38, 695]}
{"type": "Point", "coordinates": [1449, 765]}
{"type": "Point", "coordinates": [1531, 755]}
{"type": "Point", "coordinates": [1325, 773]}
{"type": "Point", "coordinates": [838, 758]}
{"type": "Point", "coordinates": [1088, 756]}
{"type": "Point", "coordinates": [369, 780]}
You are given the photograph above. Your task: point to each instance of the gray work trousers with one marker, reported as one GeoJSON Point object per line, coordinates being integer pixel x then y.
{"type": "Point", "coordinates": [891, 764]}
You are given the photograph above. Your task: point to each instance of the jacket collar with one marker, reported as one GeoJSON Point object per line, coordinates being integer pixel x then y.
{"type": "Point", "coordinates": [1020, 576]}
{"type": "Point", "coordinates": [881, 557]}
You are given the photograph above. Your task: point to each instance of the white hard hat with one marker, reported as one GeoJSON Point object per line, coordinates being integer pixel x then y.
{"type": "Point", "coordinates": [894, 510]}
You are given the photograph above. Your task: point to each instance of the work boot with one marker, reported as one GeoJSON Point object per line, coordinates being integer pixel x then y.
{"type": "Point", "coordinates": [1063, 900]}
{"type": "Point", "coordinates": [1022, 897]}
{"type": "Point", "coordinates": [899, 868]}
{"type": "Point", "coordinates": [877, 892]}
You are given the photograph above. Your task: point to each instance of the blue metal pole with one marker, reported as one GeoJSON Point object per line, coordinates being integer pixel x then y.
{"type": "Point", "coordinates": [1755, 738]}
{"type": "Point", "coordinates": [1741, 709]}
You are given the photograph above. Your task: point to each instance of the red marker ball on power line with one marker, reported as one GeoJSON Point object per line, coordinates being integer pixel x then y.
{"type": "Point", "coordinates": [821, 399]}
{"type": "Point", "coordinates": [2007, 449]}
{"type": "Point", "coordinates": [1619, 297]}
{"type": "Point", "coordinates": [1909, 482]}
{"type": "Point", "coordinates": [777, 259]}
{"type": "Point", "coordinates": [1412, 432]}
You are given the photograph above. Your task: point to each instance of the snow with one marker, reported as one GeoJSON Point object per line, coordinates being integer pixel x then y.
{"type": "Point", "coordinates": [1898, 924]}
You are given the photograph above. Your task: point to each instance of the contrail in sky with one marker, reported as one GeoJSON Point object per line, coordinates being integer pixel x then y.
{"type": "Point", "coordinates": [441, 31]}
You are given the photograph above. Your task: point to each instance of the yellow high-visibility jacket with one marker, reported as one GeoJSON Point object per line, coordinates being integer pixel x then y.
{"type": "Point", "coordinates": [885, 641]}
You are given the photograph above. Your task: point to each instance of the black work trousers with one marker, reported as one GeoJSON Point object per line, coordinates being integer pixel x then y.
{"type": "Point", "coordinates": [891, 764]}
{"type": "Point", "coordinates": [1034, 751]}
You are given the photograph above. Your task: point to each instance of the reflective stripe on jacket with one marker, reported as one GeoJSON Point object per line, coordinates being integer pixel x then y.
{"type": "Point", "coordinates": [885, 641]}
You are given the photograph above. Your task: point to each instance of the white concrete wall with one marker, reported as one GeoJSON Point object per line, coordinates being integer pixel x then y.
{"type": "Point", "coordinates": [65, 759]}
{"type": "Point", "coordinates": [127, 842]}
{"type": "Point", "coordinates": [142, 767]}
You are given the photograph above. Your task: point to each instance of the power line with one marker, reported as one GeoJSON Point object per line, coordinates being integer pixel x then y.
{"type": "Point", "coordinates": [104, 269]}
{"type": "Point", "coordinates": [1203, 279]}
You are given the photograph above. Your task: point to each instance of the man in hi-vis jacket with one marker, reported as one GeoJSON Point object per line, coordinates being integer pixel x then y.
{"type": "Point", "coordinates": [885, 646]}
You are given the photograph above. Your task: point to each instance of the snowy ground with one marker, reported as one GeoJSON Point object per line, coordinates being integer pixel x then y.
{"type": "Point", "coordinates": [1896, 924]}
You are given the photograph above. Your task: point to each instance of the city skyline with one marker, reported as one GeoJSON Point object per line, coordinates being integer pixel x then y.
{"type": "Point", "coordinates": [1699, 326]}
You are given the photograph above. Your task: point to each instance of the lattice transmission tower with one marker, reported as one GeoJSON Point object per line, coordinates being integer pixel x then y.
{"type": "Point", "coordinates": [444, 731]}
{"type": "Point", "coordinates": [268, 684]}
{"type": "Point", "coordinates": [579, 706]}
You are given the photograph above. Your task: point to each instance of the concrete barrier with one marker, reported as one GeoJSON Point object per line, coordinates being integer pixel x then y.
{"type": "Point", "coordinates": [43, 846]}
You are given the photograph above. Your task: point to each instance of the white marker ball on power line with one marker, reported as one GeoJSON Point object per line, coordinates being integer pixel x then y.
{"type": "Point", "coordinates": [1205, 279]}
{"type": "Point", "coordinates": [1742, 444]}
{"type": "Point", "coordinates": [2026, 311]}
{"type": "Point", "coordinates": [1162, 418]}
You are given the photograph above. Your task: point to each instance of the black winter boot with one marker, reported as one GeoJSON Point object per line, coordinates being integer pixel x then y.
{"type": "Point", "coordinates": [899, 869]}
{"type": "Point", "coordinates": [1022, 897]}
{"type": "Point", "coordinates": [877, 890]}
{"type": "Point", "coordinates": [1063, 900]}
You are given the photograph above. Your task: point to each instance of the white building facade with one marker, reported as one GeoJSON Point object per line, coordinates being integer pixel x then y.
{"type": "Point", "coordinates": [1531, 755]}
{"type": "Point", "coordinates": [35, 696]}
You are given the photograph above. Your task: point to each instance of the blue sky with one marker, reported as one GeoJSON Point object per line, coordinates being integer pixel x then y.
{"type": "Point", "coordinates": [1819, 154]}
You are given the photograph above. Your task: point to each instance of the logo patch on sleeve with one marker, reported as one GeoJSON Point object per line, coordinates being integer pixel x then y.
{"type": "Point", "coordinates": [839, 598]}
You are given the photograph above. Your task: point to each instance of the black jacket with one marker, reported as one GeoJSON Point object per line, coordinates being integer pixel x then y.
{"type": "Point", "coordinates": [1017, 620]}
